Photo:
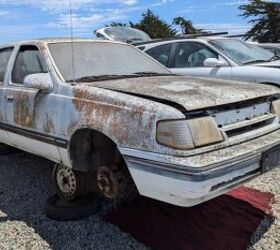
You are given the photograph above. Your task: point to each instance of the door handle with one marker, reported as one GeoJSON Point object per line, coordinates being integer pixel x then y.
{"type": "Point", "coordinates": [10, 97]}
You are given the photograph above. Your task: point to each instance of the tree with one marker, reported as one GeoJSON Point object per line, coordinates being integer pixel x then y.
{"type": "Point", "coordinates": [154, 26]}
{"type": "Point", "coordinates": [115, 24]}
{"type": "Point", "coordinates": [186, 26]}
{"type": "Point", "coordinates": [265, 19]}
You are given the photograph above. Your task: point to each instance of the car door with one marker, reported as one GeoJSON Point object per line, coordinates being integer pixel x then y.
{"type": "Point", "coordinates": [5, 55]}
{"type": "Point", "coordinates": [189, 60]}
{"type": "Point", "coordinates": [30, 112]}
{"type": "Point", "coordinates": [20, 100]}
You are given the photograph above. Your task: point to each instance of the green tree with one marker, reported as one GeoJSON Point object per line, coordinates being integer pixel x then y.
{"type": "Point", "coordinates": [186, 26]}
{"type": "Point", "coordinates": [154, 26]}
{"type": "Point", "coordinates": [116, 24]}
{"type": "Point", "coordinates": [265, 18]}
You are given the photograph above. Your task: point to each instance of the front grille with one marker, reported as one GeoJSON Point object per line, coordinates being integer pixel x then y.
{"type": "Point", "coordinates": [250, 125]}
{"type": "Point", "coordinates": [245, 120]}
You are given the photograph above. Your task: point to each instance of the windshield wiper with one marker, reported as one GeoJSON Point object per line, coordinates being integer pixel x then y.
{"type": "Point", "coordinates": [255, 61]}
{"type": "Point", "coordinates": [101, 78]}
{"type": "Point", "coordinates": [150, 73]}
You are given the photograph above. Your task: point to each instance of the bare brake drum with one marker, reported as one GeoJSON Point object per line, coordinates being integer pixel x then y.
{"type": "Point", "coordinates": [112, 181]}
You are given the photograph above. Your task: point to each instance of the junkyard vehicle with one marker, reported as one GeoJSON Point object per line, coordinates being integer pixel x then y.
{"type": "Point", "coordinates": [106, 112]}
{"type": "Point", "coordinates": [122, 34]}
{"type": "Point", "coordinates": [216, 57]}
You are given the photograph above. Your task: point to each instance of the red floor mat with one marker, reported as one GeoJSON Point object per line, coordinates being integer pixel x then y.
{"type": "Point", "coordinates": [227, 222]}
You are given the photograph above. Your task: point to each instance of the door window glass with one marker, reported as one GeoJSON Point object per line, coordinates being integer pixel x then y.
{"type": "Point", "coordinates": [160, 53]}
{"type": "Point", "coordinates": [28, 62]}
{"type": "Point", "coordinates": [192, 55]}
{"type": "Point", "coordinates": [4, 59]}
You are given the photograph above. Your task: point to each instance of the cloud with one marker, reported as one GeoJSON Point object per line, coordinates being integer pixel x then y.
{"type": "Point", "coordinates": [129, 2]}
{"type": "Point", "coordinates": [63, 5]}
{"type": "Point", "coordinates": [232, 28]}
{"type": "Point", "coordinates": [4, 13]}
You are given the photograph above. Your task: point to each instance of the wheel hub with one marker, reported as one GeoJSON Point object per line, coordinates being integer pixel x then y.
{"type": "Point", "coordinates": [66, 180]}
{"type": "Point", "coordinates": [106, 182]}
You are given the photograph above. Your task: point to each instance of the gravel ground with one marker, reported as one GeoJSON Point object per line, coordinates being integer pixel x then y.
{"type": "Point", "coordinates": [268, 234]}
{"type": "Point", "coordinates": [25, 186]}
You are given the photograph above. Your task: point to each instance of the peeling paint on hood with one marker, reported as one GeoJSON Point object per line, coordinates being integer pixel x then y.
{"type": "Point", "coordinates": [191, 93]}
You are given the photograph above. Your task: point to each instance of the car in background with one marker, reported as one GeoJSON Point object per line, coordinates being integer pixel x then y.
{"type": "Point", "coordinates": [216, 57]}
{"type": "Point", "coordinates": [122, 34]}
{"type": "Point", "coordinates": [273, 47]}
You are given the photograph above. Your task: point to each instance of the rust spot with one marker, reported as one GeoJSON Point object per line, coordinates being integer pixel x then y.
{"type": "Point", "coordinates": [23, 110]}
{"type": "Point", "coordinates": [48, 126]}
{"type": "Point", "coordinates": [116, 120]}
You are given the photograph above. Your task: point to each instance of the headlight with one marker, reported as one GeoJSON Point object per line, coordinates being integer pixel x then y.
{"type": "Point", "coordinates": [276, 107]}
{"type": "Point", "coordinates": [188, 134]}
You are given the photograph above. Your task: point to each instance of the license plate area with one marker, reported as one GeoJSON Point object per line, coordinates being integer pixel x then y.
{"type": "Point", "coordinates": [270, 159]}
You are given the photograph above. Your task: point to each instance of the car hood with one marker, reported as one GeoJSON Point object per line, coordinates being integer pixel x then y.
{"type": "Point", "coordinates": [191, 93]}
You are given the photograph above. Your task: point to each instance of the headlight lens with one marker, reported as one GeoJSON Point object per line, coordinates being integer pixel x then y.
{"type": "Point", "coordinates": [188, 134]}
{"type": "Point", "coordinates": [276, 107]}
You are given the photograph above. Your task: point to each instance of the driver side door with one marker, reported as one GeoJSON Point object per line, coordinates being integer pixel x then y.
{"type": "Point", "coordinates": [189, 60]}
{"type": "Point", "coordinates": [20, 101]}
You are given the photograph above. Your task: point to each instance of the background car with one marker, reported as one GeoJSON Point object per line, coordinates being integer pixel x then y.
{"type": "Point", "coordinates": [122, 34]}
{"type": "Point", "coordinates": [217, 57]}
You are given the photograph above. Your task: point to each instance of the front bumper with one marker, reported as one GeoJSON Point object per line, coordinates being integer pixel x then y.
{"type": "Point", "coordinates": [190, 180]}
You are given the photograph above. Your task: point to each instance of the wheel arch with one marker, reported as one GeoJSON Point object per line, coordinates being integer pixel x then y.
{"type": "Point", "coordinates": [89, 148]}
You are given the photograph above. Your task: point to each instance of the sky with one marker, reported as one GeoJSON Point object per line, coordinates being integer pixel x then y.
{"type": "Point", "coordinates": [27, 19]}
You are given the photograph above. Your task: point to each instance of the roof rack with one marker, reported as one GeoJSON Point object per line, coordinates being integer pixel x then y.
{"type": "Point", "coordinates": [188, 36]}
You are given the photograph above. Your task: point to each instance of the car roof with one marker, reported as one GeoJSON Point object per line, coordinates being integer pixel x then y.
{"type": "Point", "coordinates": [44, 41]}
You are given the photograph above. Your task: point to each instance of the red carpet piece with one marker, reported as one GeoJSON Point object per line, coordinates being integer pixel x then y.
{"type": "Point", "coordinates": [227, 222]}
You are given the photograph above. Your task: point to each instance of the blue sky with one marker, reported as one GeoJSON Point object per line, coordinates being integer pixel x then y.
{"type": "Point", "coordinates": [25, 19]}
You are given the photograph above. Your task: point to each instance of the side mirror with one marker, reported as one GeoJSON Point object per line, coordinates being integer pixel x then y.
{"type": "Point", "coordinates": [40, 81]}
{"type": "Point", "coordinates": [214, 63]}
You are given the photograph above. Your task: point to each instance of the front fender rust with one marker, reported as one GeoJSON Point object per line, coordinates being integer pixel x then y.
{"type": "Point", "coordinates": [129, 124]}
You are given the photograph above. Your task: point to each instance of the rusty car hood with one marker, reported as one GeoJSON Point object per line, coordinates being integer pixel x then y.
{"type": "Point", "coordinates": [190, 93]}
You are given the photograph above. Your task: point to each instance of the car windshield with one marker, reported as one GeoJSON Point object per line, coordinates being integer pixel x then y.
{"type": "Point", "coordinates": [241, 52]}
{"type": "Point", "coordinates": [126, 34]}
{"type": "Point", "coordinates": [101, 59]}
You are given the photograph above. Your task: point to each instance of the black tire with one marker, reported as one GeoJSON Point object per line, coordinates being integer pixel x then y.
{"type": "Point", "coordinates": [57, 209]}
{"type": "Point", "coordinates": [7, 150]}
{"type": "Point", "coordinates": [82, 185]}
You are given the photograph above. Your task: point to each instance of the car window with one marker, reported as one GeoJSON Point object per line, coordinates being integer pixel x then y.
{"type": "Point", "coordinates": [28, 62]}
{"type": "Point", "coordinates": [4, 59]}
{"type": "Point", "coordinates": [160, 53]}
{"type": "Point", "coordinates": [192, 55]}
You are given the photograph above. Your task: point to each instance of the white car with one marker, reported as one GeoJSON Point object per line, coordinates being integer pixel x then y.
{"type": "Point", "coordinates": [123, 118]}
{"type": "Point", "coordinates": [122, 34]}
{"type": "Point", "coordinates": [217, 57]}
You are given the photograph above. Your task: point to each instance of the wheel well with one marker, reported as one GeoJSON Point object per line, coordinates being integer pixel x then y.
{"type": "Point", "coordinates": [90, 149]}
